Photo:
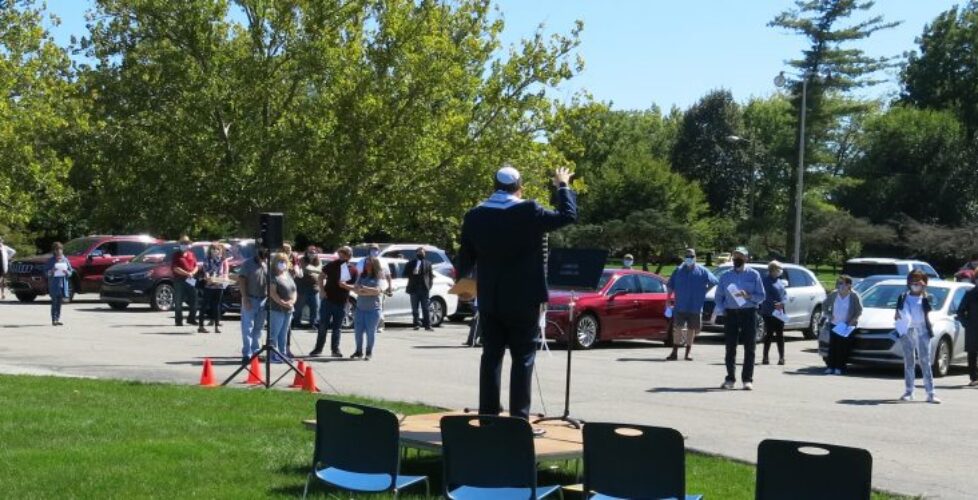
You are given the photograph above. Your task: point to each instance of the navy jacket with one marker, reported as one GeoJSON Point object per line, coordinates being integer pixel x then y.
{"type": "Point", "coordinates": [504, 240]}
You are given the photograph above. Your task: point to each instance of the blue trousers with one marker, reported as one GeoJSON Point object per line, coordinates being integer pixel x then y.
{"type": "Point", "coordinates": [421, 299]}
{"type": "Point", "coordinates": [365, 323]}
{"type": "Point", "coordinates": [279, 330]}
{"type": "Point", "coordinates": [252, 321]}
{"type": "Point", "coordinates": [308, 299]}
{"type": "Point", "coordinates": [518, 332]}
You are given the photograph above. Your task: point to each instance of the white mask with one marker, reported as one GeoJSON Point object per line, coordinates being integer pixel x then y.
{"type": "Point", "coordinates": [184, 248]}
{"type": "Point", "coordinates": [281, 266]}
{"type": "Point", "coordinates": [690, 261]}
{"type": "Point", "coordinates": [628, 263]}
{"type": "Point", "coordinates": [916, 288]}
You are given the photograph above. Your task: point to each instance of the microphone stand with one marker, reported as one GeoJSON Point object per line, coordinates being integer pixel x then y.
{"type": "Point", "coordinates": [565, 417]}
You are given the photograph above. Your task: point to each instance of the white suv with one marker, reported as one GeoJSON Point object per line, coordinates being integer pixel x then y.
{"type": "Point", "coordinates": [439, 260]}
{"type": "Point", "coordinates": [860, 268]}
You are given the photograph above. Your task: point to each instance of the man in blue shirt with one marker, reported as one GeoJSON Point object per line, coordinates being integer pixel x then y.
{"type": "Point", "coordinates": [737, 297]}
{"type": "Point", "coordinates": [687, 292]}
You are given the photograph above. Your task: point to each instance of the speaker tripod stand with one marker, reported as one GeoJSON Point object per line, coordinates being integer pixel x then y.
{"type": "Point", "coordinates": [565, 417]}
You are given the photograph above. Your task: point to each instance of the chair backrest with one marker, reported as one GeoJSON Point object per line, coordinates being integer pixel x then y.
{"type": "Point", "coordinates": [801, 471]}
{"type": "Point", "coordinates": [488, 452]}
{"type": "Point", "coordinates": [634, 461]}
{"type": "Point", "coordinates": [356, 438]}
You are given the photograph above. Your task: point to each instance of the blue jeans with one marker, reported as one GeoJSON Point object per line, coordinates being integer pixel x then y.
{"type": "Point", "coordinates": [57, 289]}
{"type": "Point", "coordinates": [331, 319]}
{"type": "Point", "coordinates": [365, 322]}
{"type": "Point", "coordinates": [252, 321]}
{"type": "Point", "coordinates": [917, 339]}
{"type": "Point", "coordinates": [307, 299]}
{"type": "Point", "coordinates": [279, 330]}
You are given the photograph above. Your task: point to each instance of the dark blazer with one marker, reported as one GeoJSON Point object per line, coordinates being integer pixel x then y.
{"type": "Point", "coordinates": [968, 316]}
{"type": "Point", "coordinates": [505, 241]}
{"type": "Point", "coordinates": [421, 282]}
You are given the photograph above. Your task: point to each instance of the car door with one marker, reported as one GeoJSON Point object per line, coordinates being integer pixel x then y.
{"type": "Point", "coordinates": [621, 315]}
{"type": "Point", "coordinates": [801, 296]}
{"type": "Point", "coordinates": [952, 312]}
{"type": "Point", "coordinates": [652, 308]}
{"type": "Point", "coordinates": [98, 260]}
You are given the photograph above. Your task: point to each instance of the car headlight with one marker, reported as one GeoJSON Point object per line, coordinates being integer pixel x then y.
{"type": "Point", "coordinates": [140, 276]}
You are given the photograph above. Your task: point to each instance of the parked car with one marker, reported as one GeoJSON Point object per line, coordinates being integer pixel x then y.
{"type": "Point", "coordinates": [872, 343]}
{"type": "Point", "coordinates": [397, 308]}
{"type": "Point", "coordinates": [804, 307]}
{"type": "Point", "coordinates": [439, 260]}
{"type": "Point", "coordinates": [628, 304]}
{"type": "Point", "coordinates": [148, 278]}
{"type": "Point", "coordinates": [863, 285]}
{"type": "Point", "coordinates": [90, 256]}
{"type": "Point", "coordinates": [862, 267]}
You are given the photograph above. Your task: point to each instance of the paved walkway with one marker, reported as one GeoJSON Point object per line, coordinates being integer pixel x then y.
{"type": "Point", "coordinates": [918, 449]}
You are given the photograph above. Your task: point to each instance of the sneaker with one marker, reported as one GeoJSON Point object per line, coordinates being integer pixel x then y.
{"type": "Point", "coordinates": [336, 354]}
{"type": "Point", "coordinates": [934, 400]}
{"type": "Point", "coordinates": [689, 358]}
{"type": "Point", "coordinates": [59, 323]}
{"type": "Point", "coordinates": [192, 322]}
{"type": "Point", "coordinates": [538, 432]}
{"type": "Point", "coordinates": [356, 355]}
{"type": "Point", "coordinates": [727, 385]}
{"type": "Point", "coordinates": [781, 361]}
{"type": "Point", "coordinates": [201, 329]}
{"type": "Point", "coordinates": [672, 357]}
{"type": "Point", "coordinates": [429, 329]}
{"type": "Point", "coordinates": [315, 354]}
{"type": "Point", "coordinates": [829, 371]}
{"type": "Point", "coordinates": [179, 323]}
{"type": "Point", "coordinates": [973, 383]}
{"type": "Point", "coordinates": [907, 397]}
{"type": "Point", "coordinates": [748, 386]}
{"type": "Point", "coordinates": [765, 362]}
{"type": "Point", "coordinates": [366, 358]}
{"type": "Point", "coordinates": [416, 327]}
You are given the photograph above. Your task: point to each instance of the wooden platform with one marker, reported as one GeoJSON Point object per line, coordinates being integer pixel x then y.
{"type": "Point", "coordinates": [561, 442]}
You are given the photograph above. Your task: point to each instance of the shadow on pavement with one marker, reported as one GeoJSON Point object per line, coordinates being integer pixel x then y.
{"type": "Point", "coordinates": [870, 402]}
{"type": "Point", "coordinates": [684, 390]}
{"type": "Point", "coordinates": [22, 326]}
{"type": "Point", "coordinates": [166, 333]}
{"type": "Point", "coordinates": [650, 360]}
{"type": "Point", "coordinates": [108, 309]}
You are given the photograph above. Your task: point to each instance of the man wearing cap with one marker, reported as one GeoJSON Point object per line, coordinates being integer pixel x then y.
{"type": "Point", "coordinates": [738, 295]}
{"type": "Point", "coordinates": [503, 238]}
{"type": "Point", "coordinates": [687, 293]}
{"type": "Point", "coordinates": [184, 267]}
{"type": "Point", "coordinates": [627, 261]}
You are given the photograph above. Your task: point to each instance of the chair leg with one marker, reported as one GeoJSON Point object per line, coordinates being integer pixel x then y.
{"type": "Point", "coordinates": [305, 491]}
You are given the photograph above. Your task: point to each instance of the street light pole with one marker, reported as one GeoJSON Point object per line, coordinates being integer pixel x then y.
{"type": "Point", "coordinates": [800, 187]}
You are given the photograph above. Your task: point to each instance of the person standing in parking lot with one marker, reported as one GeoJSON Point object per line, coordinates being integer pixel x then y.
{"type": "Point", "coordinates": [774, 298]}
{"type": "Point", "coordinates": [253, 284]}
{"type": "Point", "coordinates": [738, 295]}
{"type": "Point", "coordinates": [6, 253]}
{"type": "Point", "coordinates": [335, 284]}
{"type": "Point", "coordinates": [842, 306]}
{"type": "Point", "coordinates": [215, 275]}
{"type": "Point", "coordinates": [283, 295]}
{"type": "Point", "coordinates": [307, 284]}
{"type": "Point", "coordinates": [369, 308]}
{"type": "Point", "coordinates": [627, 261]}
{"type": "Point", "coordinates": [420, 277]}
{"type": "Point", "coordinates": [968, 316]}
{"type": "Point", "coordinates": [687, 293]}
{"type": "Point", "coordinates": [59, 271]}
{"type": "Point", "coordinates": [913, 308]}
{"type": "Point", "coordinates": [184, 267]}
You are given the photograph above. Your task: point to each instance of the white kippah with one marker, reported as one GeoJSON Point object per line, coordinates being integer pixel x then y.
{"type": "Point", "coordinates": [508, 175]}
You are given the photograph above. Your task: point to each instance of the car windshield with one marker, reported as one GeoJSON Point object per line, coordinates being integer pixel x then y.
{"type": "Point", "coordinates": [78, 246]}
{"type": "Point", "coordinates": [885, 296]}
{"type": "Point", "coordinates": [605, 277]}
{"type": "Point", "coordinates": [156, 254]}
{"type": "Point", "coordinates": [864, 269]}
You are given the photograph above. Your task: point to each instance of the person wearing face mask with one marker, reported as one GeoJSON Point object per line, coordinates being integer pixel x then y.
{"type": "Point", "coordinates": [307, 283]}
{"type": "Point", "coordinates": [215, 275]}
{"type": "Point", "coordinates": [369, 308]}
{"type": "Point", "coordinates": [968, 316]}
{"type": "Point", "coordinates": [374, 252]}
{"type": "Point", "coordinates": [420, 276]}
{"type": "Point", "coordinates": [774, 298]}
{"type": "Point", "coordinates": [687, 293]}
{"type": "Point", "coordinates": [738, 295]}
{"type": "Point", "coordinates": [283, 299]}
{"type": "Point", "coordinates": [253, 284]}
{"type": "Point", "coordinates": [6, 253]}
{"type": "Point", "coordinates": [627, 261]}
{"type": "Point", "coordinates": [335, 283]}
{"type": "Point", "coordinates": [59, 271]}
{"type": "Point", "coordinates": [914, 307]}
{"type": "Point", "coordinates": [184, 267]}
{"type": "Point", "coordinates": [842, 306]}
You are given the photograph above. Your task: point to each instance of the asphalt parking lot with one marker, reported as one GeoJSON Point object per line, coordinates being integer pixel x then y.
{"type": "Point", "coordinates": [918, 449]}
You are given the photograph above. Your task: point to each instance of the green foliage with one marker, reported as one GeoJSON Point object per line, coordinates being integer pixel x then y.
{"type": "Point", "coordinates": [843, 236]}
{"type": "Point", "coordinates": [943, 74]}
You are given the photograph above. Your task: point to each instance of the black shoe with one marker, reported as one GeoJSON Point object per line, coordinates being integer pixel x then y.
{"type": "Point", "coordinates": [244, 361]}
{"type": "Point", "coordinates": [192, 322]}
{"type": "Point", "coordinates": [781, 361]}
{"type": "Point", "coordinates": [356, 355]}
{"type": "Point", "coordinates": [416, 327]}
{"type": "Point", "coordinates": [217, 329]}
{"type": "Point", "coordinates": [672, 357]}
{"type": "Point", "coordinates": [315, 353]}
{"type": "Point", "coordinates": [765, 362]}
{"type": "Point", "coordinates": [201, 329]}
{"type": "Point", "coordinates": [336, 354]}
{"type": "Point", "coordinates": [367, 357]}
{"type": "Point", "coordinates": [429, 329]}
{"type": "Point", "coordinates": [179, 323]}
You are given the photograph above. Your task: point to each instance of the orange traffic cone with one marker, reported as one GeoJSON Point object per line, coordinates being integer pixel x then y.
{"type": "Point", "coordinates": [207, 377]}
{"type": "Point", "coordinates": [299, 381]}
{"type": "Point", "coordinates": [310, 381]}
{"type": "Point", "coordinates": [254, 373]}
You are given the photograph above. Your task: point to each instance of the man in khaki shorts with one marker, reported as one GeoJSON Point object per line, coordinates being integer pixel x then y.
{"type": "Point", "coordinates": [687, 293]}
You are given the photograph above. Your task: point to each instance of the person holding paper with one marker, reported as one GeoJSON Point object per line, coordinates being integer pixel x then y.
{"type": "Point", "coordinates": [335, 284]}
{"type": "Point", "coordinates": [59, 271]}
{"type": "Point", "coordinates": [687, 293]}
{"type": "Point", "coordinates": [184, 267]}
{"type": "Point", "coordinates": [738, 295]}
{"type": "Point", "coordinates": [968, 316]}
{"type": "Point", "coordinates": [503, 237]}
{"type": "Point", "coordinates": [6, 253]}
{"type": "Point", "coordinates": [914, 307]}
{"type": "Point", "coordinates": [216, 275]}
{"type": "Point", "coordinates": [842, 307]}
{"type": "Point", "coordinates": [772, 310]}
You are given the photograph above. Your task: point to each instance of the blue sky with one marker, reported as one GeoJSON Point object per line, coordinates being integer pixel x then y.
{"type": "Point", "coordinates": [665, 52]}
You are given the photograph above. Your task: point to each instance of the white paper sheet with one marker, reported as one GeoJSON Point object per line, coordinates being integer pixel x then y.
{"type": "Point", "coordinates": [345, 273]}
{"type": "Point", "coordinates": [668, 311]}
{"type": "Point", "coordinates": [780, 316]}
{"type": "Point", "coordinates": [734, 291]}
{"type": "Point", "coordinates": [191, 281]}
{"type": "Point", "coordinates": [903, 324]}
{"type": "Point", "coordinates": [843, 330]}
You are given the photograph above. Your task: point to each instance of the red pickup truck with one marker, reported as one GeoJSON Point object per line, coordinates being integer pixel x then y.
{"type": "Point", "coordinates": [90, 256]}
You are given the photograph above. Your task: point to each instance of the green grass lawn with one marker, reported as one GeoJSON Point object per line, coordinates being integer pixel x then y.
{"type": "Point", "coordinates": [75, 438]}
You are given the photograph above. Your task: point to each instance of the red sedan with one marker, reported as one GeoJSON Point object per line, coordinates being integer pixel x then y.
{"type": "Point", "coordinates": [628, 304]}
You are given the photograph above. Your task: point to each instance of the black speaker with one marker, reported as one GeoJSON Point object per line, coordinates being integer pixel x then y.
{"type": "Point", "coordinates": [270, 230]}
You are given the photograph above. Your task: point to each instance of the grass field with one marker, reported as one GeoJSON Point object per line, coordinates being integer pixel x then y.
{"type": "Point", "coordinates": [75, 438]}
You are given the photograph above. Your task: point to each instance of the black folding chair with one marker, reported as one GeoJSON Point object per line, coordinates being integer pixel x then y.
{"type": "Point", "coordinates": [812, 471]}
{"type": "Point", "coordinates": [634, 461]}
{"type": "Point", "coordinates": [490, 457]}
{"type": "Point", "coordinates": [358, 449]}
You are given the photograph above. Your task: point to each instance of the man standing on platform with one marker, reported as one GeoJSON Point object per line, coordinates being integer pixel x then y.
{"type": "Point", "coordinates": [738, 295]}
{"type": "Point", "coordinates": [503, 237]}
{"type": "Point", "coordinates": [687, 293]}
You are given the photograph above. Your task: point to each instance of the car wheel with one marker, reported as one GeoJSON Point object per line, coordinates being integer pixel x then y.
{"type": "Point", "coordinates": [436, 312]}
{"type": "Point", "coordinates": [118, 306]}
{"type": "Point", "coordinates": [26, 297]}
{"type": "Point", "coordinates": [163, 297]}
{"type": "Point", "coordinates": [942, 358]}
{"type": "Point", "coordinates": [811, 333]}
{"type": "Point", "coordinates": [586, 331]}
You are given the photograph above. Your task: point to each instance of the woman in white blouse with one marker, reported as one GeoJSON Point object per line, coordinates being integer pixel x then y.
{"type": "Point", "coordinates": [912, 310]}
{"type": "Point", "coordinates": [842, 307]}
